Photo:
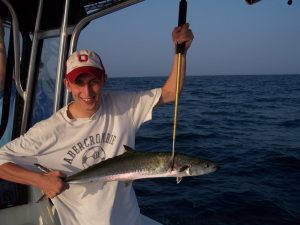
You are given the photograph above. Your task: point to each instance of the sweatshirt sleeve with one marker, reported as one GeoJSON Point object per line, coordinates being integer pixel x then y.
{"type": "Point", "coordinates": [142, 106]}
{"type": "Point", "coordinates": [25, 149]}
{"type": "Point", "coordinates": [137, 105]}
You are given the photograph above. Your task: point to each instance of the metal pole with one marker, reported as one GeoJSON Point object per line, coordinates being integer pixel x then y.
{"type": "Point", "coordinates": [180, 50]}
{"type": "Point", "coordinates": [31, 69]}
{"type": "Point", "coordinates": [61, 59]}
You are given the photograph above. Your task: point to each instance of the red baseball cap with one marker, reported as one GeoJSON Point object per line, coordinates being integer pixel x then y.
{"type": "Point", "coordinates": [84, 61]}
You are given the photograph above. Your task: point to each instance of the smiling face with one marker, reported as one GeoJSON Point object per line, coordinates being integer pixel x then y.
{"type": "Point", "coordinates": [86, 91]}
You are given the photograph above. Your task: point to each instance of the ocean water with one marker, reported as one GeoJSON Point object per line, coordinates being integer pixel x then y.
{"type": "Point", "coordinates": [250, 127]}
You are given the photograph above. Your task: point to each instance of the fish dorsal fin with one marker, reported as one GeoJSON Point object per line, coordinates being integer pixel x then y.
{"type": "Point", "coordinates": [128, 149]}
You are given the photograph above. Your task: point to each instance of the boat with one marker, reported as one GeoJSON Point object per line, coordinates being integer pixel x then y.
{"type": "Point", "coordinates": [41, 36]}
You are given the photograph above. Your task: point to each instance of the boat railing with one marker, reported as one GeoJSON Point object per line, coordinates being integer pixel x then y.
{"type": "Point", "coordinates": [16, 42]}
{"type": "Point", "coordinates": [31, 69]}
{"type": "Point", "coordinates": [61, 58]}
{"type": "Point", "coordinates": [83, 22]}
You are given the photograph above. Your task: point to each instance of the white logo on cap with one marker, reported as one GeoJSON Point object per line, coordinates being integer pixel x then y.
{"type": "Point", "coordinates": [83, 58]}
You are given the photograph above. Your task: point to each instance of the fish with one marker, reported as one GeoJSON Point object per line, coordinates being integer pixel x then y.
{"type": "Point", "coordinates": [133, 165]}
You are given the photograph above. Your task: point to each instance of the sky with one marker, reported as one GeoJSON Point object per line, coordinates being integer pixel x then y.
{"type": "Point", "coordinates": [231, 38]}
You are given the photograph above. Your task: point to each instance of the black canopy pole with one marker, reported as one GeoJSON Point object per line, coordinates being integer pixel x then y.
{"type": "Point", "coordinates": [179, 50]}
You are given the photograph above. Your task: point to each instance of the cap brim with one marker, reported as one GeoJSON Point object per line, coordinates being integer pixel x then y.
{"type": "Point", "coordinates": [98, 73]}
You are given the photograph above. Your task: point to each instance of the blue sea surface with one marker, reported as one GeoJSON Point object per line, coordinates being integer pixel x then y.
{"type": "Point", "coordinates": [250, 127]}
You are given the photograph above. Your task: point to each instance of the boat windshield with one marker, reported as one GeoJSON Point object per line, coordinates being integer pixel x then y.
{"type": "Point", "coordinates": [43, 96]}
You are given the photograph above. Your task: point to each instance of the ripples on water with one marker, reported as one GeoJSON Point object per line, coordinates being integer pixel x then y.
{"type": "Point", "coordinates": [248, 125]}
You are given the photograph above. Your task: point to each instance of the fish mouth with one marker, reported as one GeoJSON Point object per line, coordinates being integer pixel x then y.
{"type": "Point", "coordinates": [215, 167]}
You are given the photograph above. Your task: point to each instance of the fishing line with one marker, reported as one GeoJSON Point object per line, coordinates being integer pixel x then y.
{"type": "Point", "coordinates": [179, 50]}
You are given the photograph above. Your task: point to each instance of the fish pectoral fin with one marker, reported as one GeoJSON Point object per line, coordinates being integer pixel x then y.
{"type": "Point", "coordinates": [178, 179]}
{"type": "Point", "coordinates": [184, 168]}
{"type": "Point", "coordinates": [128, 149]}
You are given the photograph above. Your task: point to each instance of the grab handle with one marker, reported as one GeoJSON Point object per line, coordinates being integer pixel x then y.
{"type": "Point", "coordinates": [181, 21]}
